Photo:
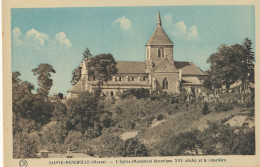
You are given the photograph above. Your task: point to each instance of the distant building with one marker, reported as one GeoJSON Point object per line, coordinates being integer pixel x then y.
{"type": "Point", "coordinates": [158, 72]}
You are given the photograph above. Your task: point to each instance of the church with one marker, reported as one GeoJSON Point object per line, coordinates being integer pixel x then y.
{"type": "Point", "coordinates": [159, 71]}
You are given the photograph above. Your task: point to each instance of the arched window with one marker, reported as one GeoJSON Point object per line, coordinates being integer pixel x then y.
{"type": "Point", "coordinates": [165, 84]}
{"type": "Point", "coordinates": [111, 93]}
{"type": "Point", "coordinates": [160, 52]}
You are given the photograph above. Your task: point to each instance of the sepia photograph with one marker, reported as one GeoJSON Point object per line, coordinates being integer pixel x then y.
{"type": "Point", "coordinates": [108, 82]}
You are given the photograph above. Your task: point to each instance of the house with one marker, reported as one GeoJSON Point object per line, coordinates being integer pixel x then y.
{"type": "Point", "coordinates": [159, 72]}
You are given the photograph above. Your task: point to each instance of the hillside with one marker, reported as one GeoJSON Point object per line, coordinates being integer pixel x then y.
{"type": "Point", "coordinates": [153, 121]}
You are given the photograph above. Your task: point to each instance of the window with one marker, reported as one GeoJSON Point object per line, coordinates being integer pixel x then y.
{"type": "Point", "coordinates": [165, 84]}
{"type": "Point", "coordinates": [143, 78]}
{"type": "Point", "coordinates": [111, 93]}
{"type": "Point", "coordinates": [133, 78]}
{"type": "Point", "coordinates": [94, 78]}
{"type": "Point", "coordinates": [160, 52]}
{"type": "Point", "coordinates": [119, 78]}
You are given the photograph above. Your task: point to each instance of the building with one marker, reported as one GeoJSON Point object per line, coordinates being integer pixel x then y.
{"type": "Point", "coordinates": [159, 72]}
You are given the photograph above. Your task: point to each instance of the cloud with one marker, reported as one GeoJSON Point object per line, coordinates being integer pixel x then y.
{"type": "Point", "coordinates": [123, 22]}
{"type": "Point", "coordinates": [36, 38]}
{"type": "Point", "coordinates": [180, 29]}
{"type": "Point", "coordinates": [17, 35]}
{"type": "Point", "coordinates": [39, 40]}
{"type": "Point", "coordinates": [62, 40]}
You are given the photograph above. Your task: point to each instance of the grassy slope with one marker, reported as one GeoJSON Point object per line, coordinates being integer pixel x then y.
{"type": "Point", "coordinates": [143, 113]}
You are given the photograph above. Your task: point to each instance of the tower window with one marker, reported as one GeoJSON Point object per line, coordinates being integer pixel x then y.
{"type": "Point", "coordinates": [165, 84]}
{"type": "Point", "coordinates": [160, 52]}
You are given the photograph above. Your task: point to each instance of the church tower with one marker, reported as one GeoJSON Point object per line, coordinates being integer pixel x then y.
{"type": "Point", "coordinates": [159, 47]}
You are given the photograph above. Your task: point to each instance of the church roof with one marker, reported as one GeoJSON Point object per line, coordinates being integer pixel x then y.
{"type": "Point", "coordinates": [76, 87]}
{"type": "Point", "coordinates": [191, 81]}
{"type": "Point", "coordinates": [159, 37]}
{"type": "Point", "coordinates": [127, 67]}
{"type": "Point", "coordinates": [131, 67]}
{"type": "Point", "coordinates": [188, 68]}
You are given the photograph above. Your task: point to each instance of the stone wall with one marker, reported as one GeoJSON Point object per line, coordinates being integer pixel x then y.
{"type": "Point", "coordinates": [173, 82]}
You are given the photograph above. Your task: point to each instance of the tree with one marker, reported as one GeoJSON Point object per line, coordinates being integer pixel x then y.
{"type": "Point", "coordinates": [44, 81]}
{"type": "Point", "coordinates": [87, 55]}
{"type": "Point", "coordinates": [247, 64]}
{"type": "Point", "coordinates": [82, 112]}
{"type": "Point", "coordinates": [232, 63]}
{"type": "Point", "coordinates": [25, 145]}
{"type": "Point", "coordinates": [76, 73]}
{"type": "Point", "coordinates": [102, 67]}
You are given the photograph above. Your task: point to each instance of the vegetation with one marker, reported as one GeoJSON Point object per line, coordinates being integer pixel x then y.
{"type": "Point", "coordinates": [232, 63]}
{"type": "Point", "coordinates": [102, 67]}
{"type": "Point", "coordinates": [94, 125]}
{"type": "Point", "coordinates": [76, 73]}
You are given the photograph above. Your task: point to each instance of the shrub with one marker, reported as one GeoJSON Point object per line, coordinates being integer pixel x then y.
{"type": "Point", "coordinates": [219, 107]}
{"type": "Point", "coordinates": [205, 109]}
{"type": "Point", "coordinates": [138, 93]}
{"type": "Point", "coordinates": [25, 145]}
{"type": "Point", "coordinates": [159, 117]}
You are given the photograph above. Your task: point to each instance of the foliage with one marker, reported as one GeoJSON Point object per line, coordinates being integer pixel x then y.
{"type": "Point", "coordinates": [86, 55]}
{"type": "Point", "coordinates": [232, 63]}
{"type": "Point", "coordinates": [44, 81]}
{"type": "Point", "coordinates": [159, 117]}
{"type": "Point", "coordinates": [25, 145]}
{"type": "Point", "coordinates": [102, 67]}
{"type": "Point", "coordinates": [217, 139]}
{"type": "Point", "coordinates": [53, 137]}
{"type": "Point", "coordinates": [138, 93]}
{"type": "Point", "coordinates": [183, 143]}
{"type": "Point", "coordinates": [220, 107]}
{"type": "Point", "coordinates": [59, 113]}
{"type": "Point", "coordinates": [132, 147]}
{"type": "Point", "coordinates": [223, 139]}
{"type": "Point", "coordinates": [74, 140]}
{"type": "Point", "coordinates": [76, 73]}
{"type": "Point", "coordinates": [205, 109]}
{"type": "Point", "coordinates": [81, 112]}
{"type": "Point", "coordinates": [28, 108]}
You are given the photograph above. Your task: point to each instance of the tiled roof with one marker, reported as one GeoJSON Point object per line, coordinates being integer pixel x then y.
{"type": "Point", "coordinates": [76, 87]}
{"type": "Point", "coordinates": [131, 67]}
{"type": "Point", "coordinates": [159, 37]}
{"type": "Point", "coordinates": [191, 81]}
{"type": "Point", "coordinates": [188, 68]}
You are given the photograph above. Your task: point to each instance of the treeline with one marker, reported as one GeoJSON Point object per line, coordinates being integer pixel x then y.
{"type": "Point", "coordinates": [230, 64]}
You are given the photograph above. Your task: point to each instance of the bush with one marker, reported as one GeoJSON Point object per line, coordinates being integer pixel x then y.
{"type": "Point", "coordinates": [159, 117]}
{"type": "Point", "coordinates": [138, 93]}
{"type": "Point", "coordinates": [219, 107]}
{"type": "Point", "coordinates": [25, 145]}
{"type": "Point", "coordinates": [205, 109]}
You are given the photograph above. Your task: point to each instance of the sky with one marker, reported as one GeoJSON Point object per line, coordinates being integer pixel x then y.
{"type": "Point", "coordinates": [58, 36]}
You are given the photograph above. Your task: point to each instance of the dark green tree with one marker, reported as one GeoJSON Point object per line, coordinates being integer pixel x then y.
{"type": "Point", "coordinates": [76, 73]}
{"type": "Point", "coordinates": [102, 67]}
{"type": "Point", "coordinates": [44, 78]}
{"type": "Point", "coordinates": [232, 63]}
{"type": "Point", "coordinates": [87, 55]}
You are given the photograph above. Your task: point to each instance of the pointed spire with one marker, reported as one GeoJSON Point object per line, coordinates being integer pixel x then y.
{"type": "Point", "coordinates": [159, 23]}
